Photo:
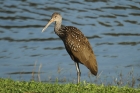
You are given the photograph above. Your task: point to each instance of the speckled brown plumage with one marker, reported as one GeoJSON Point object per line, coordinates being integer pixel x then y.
{"type": "Point", "coordinates": [79, 48]}
{"type": "Point", "coordinates": [76, 44]}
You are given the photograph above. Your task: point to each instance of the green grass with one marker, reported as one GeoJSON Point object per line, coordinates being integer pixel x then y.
{"type": "Point", "coordinates": [11, 86]}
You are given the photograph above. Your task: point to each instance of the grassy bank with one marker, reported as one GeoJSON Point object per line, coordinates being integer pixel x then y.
{"type": "Point", "coordinates": [10, 86]}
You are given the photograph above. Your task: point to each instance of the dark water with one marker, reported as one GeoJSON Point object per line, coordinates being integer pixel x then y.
{"type": "Point", "coordinates": [112, 27]}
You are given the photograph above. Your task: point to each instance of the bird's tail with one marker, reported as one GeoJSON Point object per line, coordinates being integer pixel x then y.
{"type": "Point", "coordinates": [91, 64]}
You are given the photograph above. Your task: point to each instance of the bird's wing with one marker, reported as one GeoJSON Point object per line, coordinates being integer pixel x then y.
{"type": "Point", "coordinates": [80, 49]}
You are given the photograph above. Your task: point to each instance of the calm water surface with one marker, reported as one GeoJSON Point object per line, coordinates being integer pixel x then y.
{"type": "Point", "coordinates": [112, 27]}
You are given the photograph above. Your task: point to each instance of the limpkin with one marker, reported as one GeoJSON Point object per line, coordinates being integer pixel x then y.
{"type": "Point", "coordinates": [76, 44]}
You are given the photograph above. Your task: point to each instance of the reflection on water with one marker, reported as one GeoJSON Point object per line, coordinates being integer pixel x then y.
{"type": "Point", "coordinates": [111, 26]}
{"type": "Point", "coordinates": [122, 34]}
{"type": "Point", "coordinates": [28, 40]}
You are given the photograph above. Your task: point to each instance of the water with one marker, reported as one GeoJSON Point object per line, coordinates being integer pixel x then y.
{"type": "Point", "coordinates": [112, 27]}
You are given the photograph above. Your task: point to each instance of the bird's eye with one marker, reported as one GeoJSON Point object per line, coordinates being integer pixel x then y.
{"type": "Point", "coordinates": [55, 16]}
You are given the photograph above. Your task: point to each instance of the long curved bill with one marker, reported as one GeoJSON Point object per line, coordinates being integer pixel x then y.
{"type": "Point", "coordinates": [47, 25]}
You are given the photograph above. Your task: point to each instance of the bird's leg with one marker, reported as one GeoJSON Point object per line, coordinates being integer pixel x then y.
{"type": "Point", "coordinates": [78, 72]}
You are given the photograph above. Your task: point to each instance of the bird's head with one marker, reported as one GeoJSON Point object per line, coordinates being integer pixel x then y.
{"type": "Point", "coordinates": [55, 17]}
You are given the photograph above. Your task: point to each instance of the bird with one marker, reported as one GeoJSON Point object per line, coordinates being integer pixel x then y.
{"type": "Point", "coordinates": [76, 44]}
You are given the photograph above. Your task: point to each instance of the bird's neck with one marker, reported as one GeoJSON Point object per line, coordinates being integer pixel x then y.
{"type": "Point", "coordinates": [57, 26]}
